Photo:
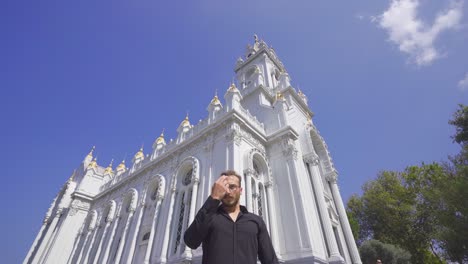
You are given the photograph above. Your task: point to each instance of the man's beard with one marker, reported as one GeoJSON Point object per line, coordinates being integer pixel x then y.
{"type": "Point", "coordinates": [230, 201]}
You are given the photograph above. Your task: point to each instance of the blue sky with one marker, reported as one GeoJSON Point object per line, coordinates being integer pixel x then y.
{"type": "Point", "coordinates": [382, 77]}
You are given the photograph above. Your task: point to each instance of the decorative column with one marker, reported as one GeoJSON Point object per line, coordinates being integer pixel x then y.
{"type": "Point", "coordinates": [191, 215]}
{"type": "Point", "coordinates": [91, 244]}
{"type": "Point", "coordinates": [111, 237]}
{"type": "Point", "coordinates": [248, 187]}
{"type": "Point", "coordinates": [335, 256]}
{"type": "Point", "coordinates": [75, 246]}
{"type": "Point", "coordinates": [103, 238]}
{"type": "Point", "coordinates": [256, 194]}
{"type": "Point", "coordinates": [124, 235]}
{"type": "Point", "coordinates": [149, 247]}
{"type": "Point", "coordinates": [83, 246]}
{"type": "Point", "coordinates": [348, 234]}
{"type": "Point", "coordinates": [272, 215]}
{"type": "Point", "coordinates": [39, 235]}
{"type": "Point", "coordinates": [167, 231]}
{"type": "Point", "coordinates": [48, 238]}
{"type": "Point", "coordinates": [136, 231]}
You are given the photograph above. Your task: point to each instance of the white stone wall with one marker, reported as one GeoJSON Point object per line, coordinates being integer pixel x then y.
{"type": "Point", "coordinates": [264, 132]}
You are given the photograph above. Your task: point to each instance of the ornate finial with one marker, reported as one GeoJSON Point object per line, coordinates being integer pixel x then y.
{"type": "Point", "coordinates": [93, 163]}
{"type": "Point", "coordinates": [121, 165]}
{"type": "Point", "coordinates": [255, 38]}
{"type": "Point", "coordinates": [109, 168]}
{"type": "Point", "coordinates": [186, 121]}
{"type": "Point", "coordinates": [90, 154]}
{"type": "Point", "coordinates": [160, 139]}
{"type": "Point", "coordinates": [139, 154]}
{"type": "Point", "coordinates": [215, 100]}
{"type": "Point", "coordinates": [232, 88]}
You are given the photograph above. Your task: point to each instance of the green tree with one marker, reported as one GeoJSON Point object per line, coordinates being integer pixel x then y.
{"type": "Point", "coordinates": [371, 250]}
{"type": "Point", "coordinates": [387, 211]}
{"type": "Point", "coordinates": [453, 214]}
{"type": "Point", "coordinates": [423, 209]}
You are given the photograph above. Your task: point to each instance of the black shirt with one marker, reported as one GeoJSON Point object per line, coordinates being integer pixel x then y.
{"type": "Point", "coordinates": [228, 242]}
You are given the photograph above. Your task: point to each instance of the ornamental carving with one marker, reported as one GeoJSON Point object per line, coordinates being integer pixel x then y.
{"type": "Point", "coordinates": [269, 184]}
{"type": "Point", "coordinates": [77, 205]}
{"type": "Point", "coordinates": [312, 159]}
{"type": "Point", "coordinates": [234, 136]}
{"type": "Point", "coordinates": [288, 147]}
{"type": "Point", "coordinates": [255, 142]}
{"type": "Point", "coordinates": [331, 176]}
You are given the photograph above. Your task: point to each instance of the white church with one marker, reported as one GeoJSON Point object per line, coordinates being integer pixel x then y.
{"type": "Point", "coordinates": [264, 131]}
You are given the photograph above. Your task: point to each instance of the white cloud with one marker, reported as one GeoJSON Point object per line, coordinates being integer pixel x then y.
{"type": "Point", "coordinates": [411, 34]}
{"type": "Point", "coordinates": [463, 84]}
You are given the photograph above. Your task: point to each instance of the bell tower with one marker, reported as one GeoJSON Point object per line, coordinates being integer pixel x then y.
{"type": "Point", "coordinates": [260, 66]}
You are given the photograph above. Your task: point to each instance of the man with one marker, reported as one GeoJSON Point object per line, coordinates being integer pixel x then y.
{"type": "Point", "coordinates": [228, 232]}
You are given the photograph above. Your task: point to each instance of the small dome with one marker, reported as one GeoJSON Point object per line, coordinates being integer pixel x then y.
{"type": "Point", "coordinates": [232, 88]}
{"type": "Point", "coordinates": [160, 139]}
{"type": "Point", "coordinates": [109, 168]}
{"type": "Point", "coordinates": [215, 101]}
{"type": "Point", "coordinates": [185, 122]}
{"type": "Point", "coordinates": [93, 163]}
{"type": "Point", "coordinates": [139, 154]}
{"type": "Point", "coordinates": [121, 166]}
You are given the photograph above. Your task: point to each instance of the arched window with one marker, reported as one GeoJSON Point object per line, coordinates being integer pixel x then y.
{"type": "Point", "coordinates": [154, 193]}
{"type": "Point", "coordinates": [258, 192]}
{"type": "Point", "coordinates": [185, 176]}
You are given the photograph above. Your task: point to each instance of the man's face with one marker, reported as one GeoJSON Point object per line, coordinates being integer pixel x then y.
{"type": "Point", "coordinates": [232, 197]}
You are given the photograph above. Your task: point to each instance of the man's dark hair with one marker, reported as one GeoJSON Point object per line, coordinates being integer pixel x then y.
{"type": "Point", "coordinates": [232, 173]}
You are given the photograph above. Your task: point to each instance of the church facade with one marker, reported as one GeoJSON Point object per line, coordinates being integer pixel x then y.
{"type": "Point", "coordinates": [264, 131]}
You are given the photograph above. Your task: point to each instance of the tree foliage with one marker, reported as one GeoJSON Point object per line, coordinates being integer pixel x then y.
{"type": "Point", "coordinates": [423, 209]}
{"type": "Point", "coordinates": [371, 250]}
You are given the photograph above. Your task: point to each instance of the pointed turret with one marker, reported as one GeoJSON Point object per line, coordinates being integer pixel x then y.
{"type": "Point", "coordinates": [139, 156]}
{"type": "Point", "coordinates": [121, 168]}
{"type": "Point", "coordinates": [183, 129]}
{"type": "Point", "coordinates": [109, 170]}
{"type": "Point", "coordinates": [160, 140]}
{"type": "Point", "coordinates": [261, 66]}
{"type": "Point", "coordinates": [88, 157]}
{"type": "Point", "coordinates": [158, 146]}
{"type": "Point", "coordinates": [213, 108]}
{"type": "Point", "coordinates": [232, 97]}
{"type": "Point", "coordinates": [302, 96]}
{"type": "Point", "coordinates": [93, 164]}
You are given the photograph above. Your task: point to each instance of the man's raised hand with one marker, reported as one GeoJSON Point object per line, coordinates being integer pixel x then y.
{"type": "Point", "coordinates": [220, 188]}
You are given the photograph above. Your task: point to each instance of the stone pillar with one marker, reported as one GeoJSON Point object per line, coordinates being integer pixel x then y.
{"type": "Point", "coordinates": [39, 235]}
{"type": "Point", "coordinates": [272, 214]}
{"type": "Point", "coordinates": [191, 214]}
{"type": "Point", "coordinates": [133, 238]}
{"type": "Point", "coordinates": [82, 250]}
{"type": "Point", "coordinates": [167, 231]}
{"type": "Point", "coordinates": [248, 187]}
{"type": "Point", "coordinates": [75, 246]}
{"type": "Point", "coordinates": [44, 248]}
{"type": "Point", "coordinates": [335, 256]}
{"type": "Point", "coordinates": [111, 238]}
{"type": "Point", "coordinates": [124, 235]}
{"type": "Point", "coordinates": [101, 241]}
{"type": "Point", "coordinates": [348, 234]}
{"type": "Point", "coordinates": [91, 244]}
{"type": "Point", "coordinates": [256, 194]}
{"type": "Point", "coordinates": [149, 248]}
